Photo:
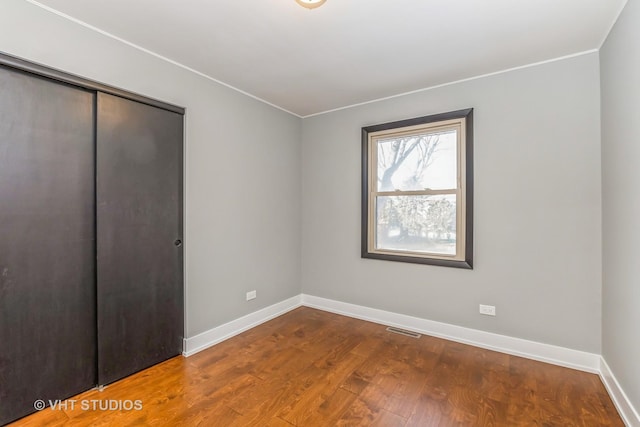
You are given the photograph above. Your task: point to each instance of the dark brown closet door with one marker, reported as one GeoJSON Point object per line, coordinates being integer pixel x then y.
{"type": "Point", "coordinates": [139, 232]}
{"type": "Point", "coordinates": [47, 249]}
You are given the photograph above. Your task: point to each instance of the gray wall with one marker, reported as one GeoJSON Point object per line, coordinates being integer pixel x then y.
{"type": "Point", "coordinates": [537, 198]}
{"type": "Point", "coordinates": [242, 164]}
{"type": "Point", "coordinates": [620, 68]}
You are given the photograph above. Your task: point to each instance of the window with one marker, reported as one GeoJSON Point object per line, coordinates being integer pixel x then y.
{"type": "Point", "coordinates": [417, 190]}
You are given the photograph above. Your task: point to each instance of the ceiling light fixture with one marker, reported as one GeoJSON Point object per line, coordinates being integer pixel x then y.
{"type": "Point", "coordinates": [310, 4]}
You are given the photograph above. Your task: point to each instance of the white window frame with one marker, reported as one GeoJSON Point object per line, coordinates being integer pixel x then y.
{"type": "Point", "coordinates": [460, 121]}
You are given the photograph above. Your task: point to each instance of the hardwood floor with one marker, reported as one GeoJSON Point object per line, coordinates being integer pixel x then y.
{"type": "Point", "coordinates": [312, 368]}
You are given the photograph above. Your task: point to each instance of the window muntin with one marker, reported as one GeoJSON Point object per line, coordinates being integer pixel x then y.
{"type": "Point", "coordinates": [415, 193]}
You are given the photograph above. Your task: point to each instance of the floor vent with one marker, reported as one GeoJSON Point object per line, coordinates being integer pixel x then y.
{"type": "Point", "coordinates": [403, 332]}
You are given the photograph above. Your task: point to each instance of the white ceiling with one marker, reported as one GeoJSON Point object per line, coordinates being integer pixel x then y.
{"type": "Point", "coordinates": [349, 51]}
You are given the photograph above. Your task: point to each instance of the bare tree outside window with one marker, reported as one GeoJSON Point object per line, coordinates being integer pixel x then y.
{"type": "Point", "coordinates": [418, 223]}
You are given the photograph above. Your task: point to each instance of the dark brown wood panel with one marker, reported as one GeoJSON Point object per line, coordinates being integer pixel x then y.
{"type": "Point", "coordinates": [139, 232]}
{"type": "Point", "coordinates": [47, 247]}
{"type": "Point", "coordinates": [312, 368]}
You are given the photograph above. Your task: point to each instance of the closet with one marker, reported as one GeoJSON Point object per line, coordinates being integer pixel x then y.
{"type": "Point", "coordinates": [91, 253]}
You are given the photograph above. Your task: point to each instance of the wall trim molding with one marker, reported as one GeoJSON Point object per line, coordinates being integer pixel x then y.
{"type": "Point", "coordinates": [556, 355]}
{"type": "Point", "coordinates": [626, 410]}
{"type": "Point", "coordinates": [455, 82]}
{"type": "Point", "coordinates": [230, 329]}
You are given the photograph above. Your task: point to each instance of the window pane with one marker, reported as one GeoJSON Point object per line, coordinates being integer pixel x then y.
{"type": "Point", "coordinates": [417, 223]}
{"type": "Point", "coordinates": [416, 162]}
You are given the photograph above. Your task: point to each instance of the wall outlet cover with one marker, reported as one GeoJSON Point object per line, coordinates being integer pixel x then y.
{"type": "Point", "coordinates": [488, 310]}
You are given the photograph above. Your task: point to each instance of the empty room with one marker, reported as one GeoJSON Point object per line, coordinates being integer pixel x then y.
{"type": "Point", "coordinates": [319, 213]}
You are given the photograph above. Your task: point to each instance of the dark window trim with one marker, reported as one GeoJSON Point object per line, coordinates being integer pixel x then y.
{"type": "Point", "coordinates": [71, 79]}
{"type": "Point", "coordinates": [467, 263]}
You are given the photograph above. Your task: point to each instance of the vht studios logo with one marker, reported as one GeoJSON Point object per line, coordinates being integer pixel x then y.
{"type": "Point", "coordinates": [89, 405]}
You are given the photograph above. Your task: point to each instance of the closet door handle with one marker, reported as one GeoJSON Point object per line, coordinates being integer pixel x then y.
{"type": "Point", "coordinates": [178, 242]}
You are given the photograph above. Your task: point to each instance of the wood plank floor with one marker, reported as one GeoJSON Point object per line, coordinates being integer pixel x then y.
{"type": "Point", "coordinates": [312, 368]}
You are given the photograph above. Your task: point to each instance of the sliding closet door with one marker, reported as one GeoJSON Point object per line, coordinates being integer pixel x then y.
{"type": "Point", "coordinates": [139, 231]}
{"type": "Point", "coordinates": [47, 252]}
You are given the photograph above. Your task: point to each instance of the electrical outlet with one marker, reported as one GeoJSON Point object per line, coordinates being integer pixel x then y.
{"type": "Point", "coordinates": [488, 310]}
{"type": "Point", "coordinates": [251, 295]}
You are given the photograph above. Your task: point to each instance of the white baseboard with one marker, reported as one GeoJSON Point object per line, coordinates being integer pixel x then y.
{"type": "Point", "coordinates": [223, 332]}
{"type": "Point", "coordinates": [575, 359]}
{"type": "Point", "coordinates": [623, 404]}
